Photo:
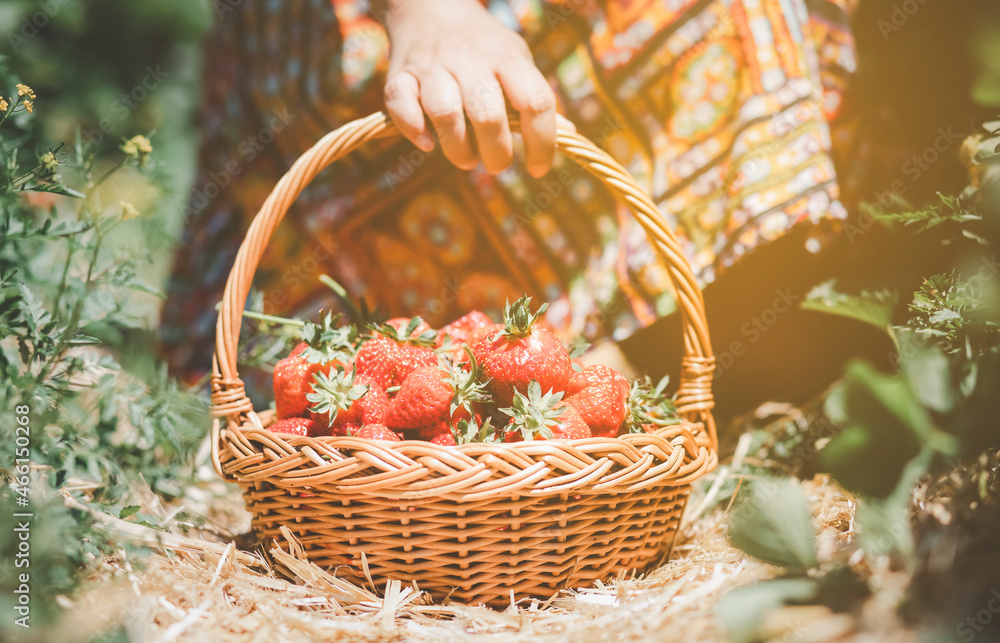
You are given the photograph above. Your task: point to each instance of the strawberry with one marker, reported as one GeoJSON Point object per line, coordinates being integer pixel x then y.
{"type": "Point", "coordinates": [292, 379]}
{"type": "Point", "coordinates": [394, 353]}
{"type": "Point", "coordinates": [468, 329]}
{"type": "Point", "coordinates": [430, 432]}
{"type": "Point", "coordinates": [295, 426]}
{"type": "Point", "coordinates": [323, 347]}
{"type": "Point", "coordinates": [347, 428]}
{"type": "Point", "coordinates": [376, 432]}
{"type": "Point", "coordinates": [600, 394]}
{"type": "Point", "coordinates": [649, 406]}
{"type": "Point", "coordinates": [423, 399]}
{"type": "Point", "coordinates": [341, 398]}
{"type": "Point", "coordinates": [446, 438]}
{"type": "Point", "coordinates": [540, 417]}
{"type": "Point", "coordinates": [522, 352]}
{"type": "Point", "coordinates": [400, 324]}
{"type": "Point", "coordinates": [430, 396]}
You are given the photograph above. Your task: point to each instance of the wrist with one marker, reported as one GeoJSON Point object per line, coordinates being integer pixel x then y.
{"type": "Point", "coordinates": [393, 13]}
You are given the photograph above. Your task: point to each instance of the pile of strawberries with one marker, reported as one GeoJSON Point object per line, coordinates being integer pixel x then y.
{"type": "Point", "coordinates": [471, 381]}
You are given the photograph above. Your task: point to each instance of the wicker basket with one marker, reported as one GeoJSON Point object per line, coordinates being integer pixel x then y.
{"type": "Point", "coordinates": [477, 522]}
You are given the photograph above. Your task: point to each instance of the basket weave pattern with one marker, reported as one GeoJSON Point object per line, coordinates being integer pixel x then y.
{"type": "Point", "coordinates": [477, 521]}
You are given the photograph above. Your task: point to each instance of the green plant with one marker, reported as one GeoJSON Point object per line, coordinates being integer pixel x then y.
{"type": "Point", "coordinates": [936, 411]}
{"type": "Point", "coordinates": [99, 413]}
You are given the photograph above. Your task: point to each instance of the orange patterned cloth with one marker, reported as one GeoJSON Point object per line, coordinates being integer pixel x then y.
{"type": "Point", "coordinates": [720, 109]}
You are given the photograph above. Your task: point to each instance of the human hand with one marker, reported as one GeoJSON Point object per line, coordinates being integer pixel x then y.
{"type": "Point", "coordinates": [450, 59]}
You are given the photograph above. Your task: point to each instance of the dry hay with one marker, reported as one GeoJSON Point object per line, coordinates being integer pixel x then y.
{"type": "Point", "coordinates": [196, 590]}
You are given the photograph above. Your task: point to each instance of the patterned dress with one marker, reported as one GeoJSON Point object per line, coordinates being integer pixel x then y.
{"type": "Point", "coordinates": [719, 108]}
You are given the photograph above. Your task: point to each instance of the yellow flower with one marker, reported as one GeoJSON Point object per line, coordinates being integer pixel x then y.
{"type": "Point", "coordinates": [28, 105]}
{"type": "Point", "coordinates": [49, 161]}
{"type": "Point", "coordinates": [24, 90]}
{"type": "Point", "coordinates": [139, 148]}
{"type": "Point", "coordinates": [3, 105]}
{"type": "Point", "coordinates": [129, 210]}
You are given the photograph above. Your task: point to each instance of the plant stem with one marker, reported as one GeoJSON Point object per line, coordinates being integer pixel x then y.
{"type": "Point", "coordinates": [274, 319]}
{"type": "Point", "coordinates": [352, 310]}
{"type": "Point", "coordinates": [107, 174]}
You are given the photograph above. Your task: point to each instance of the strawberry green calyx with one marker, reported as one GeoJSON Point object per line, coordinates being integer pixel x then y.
{"type": "Point", "coordinates": [649, 404]}
{"type": "Point", "coordinates": [427, 338]}
{"type": "Point", "coordinates": [326, 342]}
{"type": "Point", "coordinates": [468, 431]}
{"type": "Point", "coordinates": [468, 388]}
{"type": "Point", "coordinates": [331, 394]}
{"type": "Point", "coordinates": [518, 320]}
{"type": "Point", "coordinates": [534, 414]}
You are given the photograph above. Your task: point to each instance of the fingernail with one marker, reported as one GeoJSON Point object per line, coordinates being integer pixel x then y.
{"type": "Point", "coordinates": [425, 142]}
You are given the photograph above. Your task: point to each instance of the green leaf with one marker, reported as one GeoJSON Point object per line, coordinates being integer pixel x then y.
{"type": "Point", "coordinates": [885, 425]}
{"type": "Point", "coordinates": [129, 511]}
{"type": "Point", "coordinates": [873, 308]}
{"type": "Point", "coordinates": [742, 610]}
{"type": "Point", "coordinates": [929, 373]}
{"type": "Point", "coordinates": [55, 188]}
{"type": "Point", "coordinates": [772, 522]}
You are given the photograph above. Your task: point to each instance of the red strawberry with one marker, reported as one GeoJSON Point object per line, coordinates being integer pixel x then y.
{"type": "Point", "coordinates": [522, 352]}
{"type": "Point", "coordinates": [468, 329]}
{"type": "Point", "coordinates": [430, 432]}
{"type": "Point", "coordinates": [431, 397]}
{"type": "Point", "coordinates": [422, 400]}
{"type": "Point", "coordinates": [539, 417]}
{"type": "Point", "coordinates": [324, 346]}
{"type": "Point", "coordinates": [393, 354]}
{"type": "Point", "coordinates": [343, 398]}
{"type": "Point", "coordinates": [347, 428]}
{"type": "Point", "coordinates": [446, 438]}
{"type": "Point", "coordinates": [376, 432]}
{"type": "Point", "coordinates": [292, 379]}
{"type": "Point", "coordinates": [400, 324]}
{"type": "Point", "coordinates": [650, 408]}
{"type": "Point", "coordinates": [377, 360]}
{"type": "Point", "coordinates": [600, 394]}
{"type": "Point", "coordinates": [295, 426]}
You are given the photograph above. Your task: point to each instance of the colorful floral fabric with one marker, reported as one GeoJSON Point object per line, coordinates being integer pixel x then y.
{"type": "Point", "coordinates": [719, 108]}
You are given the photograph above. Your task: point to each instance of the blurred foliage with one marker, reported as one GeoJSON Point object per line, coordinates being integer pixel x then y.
{"type": "Point", "coordinates": [936, 411]}
{"type": "Point", "coordinates": [110, 69]}
{"type": "Point", "coordinates": [68, 307]}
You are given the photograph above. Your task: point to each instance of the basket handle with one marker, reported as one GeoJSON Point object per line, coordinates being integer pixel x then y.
{"type": "Point", "coordinates": [694, 395]}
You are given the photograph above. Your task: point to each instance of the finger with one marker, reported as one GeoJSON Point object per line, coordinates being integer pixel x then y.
{"type": "Point", "coordinates": [442, 102]}
{"type": "Point", "coordinates": [565, 123]}
{"type": "Point", "coordinates": [532, 97]}
{"type": "Point", "coordinates": [402, 101]}
{"type": "Point", "coordinates": [482, 97]}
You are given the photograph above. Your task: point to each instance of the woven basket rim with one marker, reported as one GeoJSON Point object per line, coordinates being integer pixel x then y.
{"type": "Point", "coordinates": [676, 454]}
